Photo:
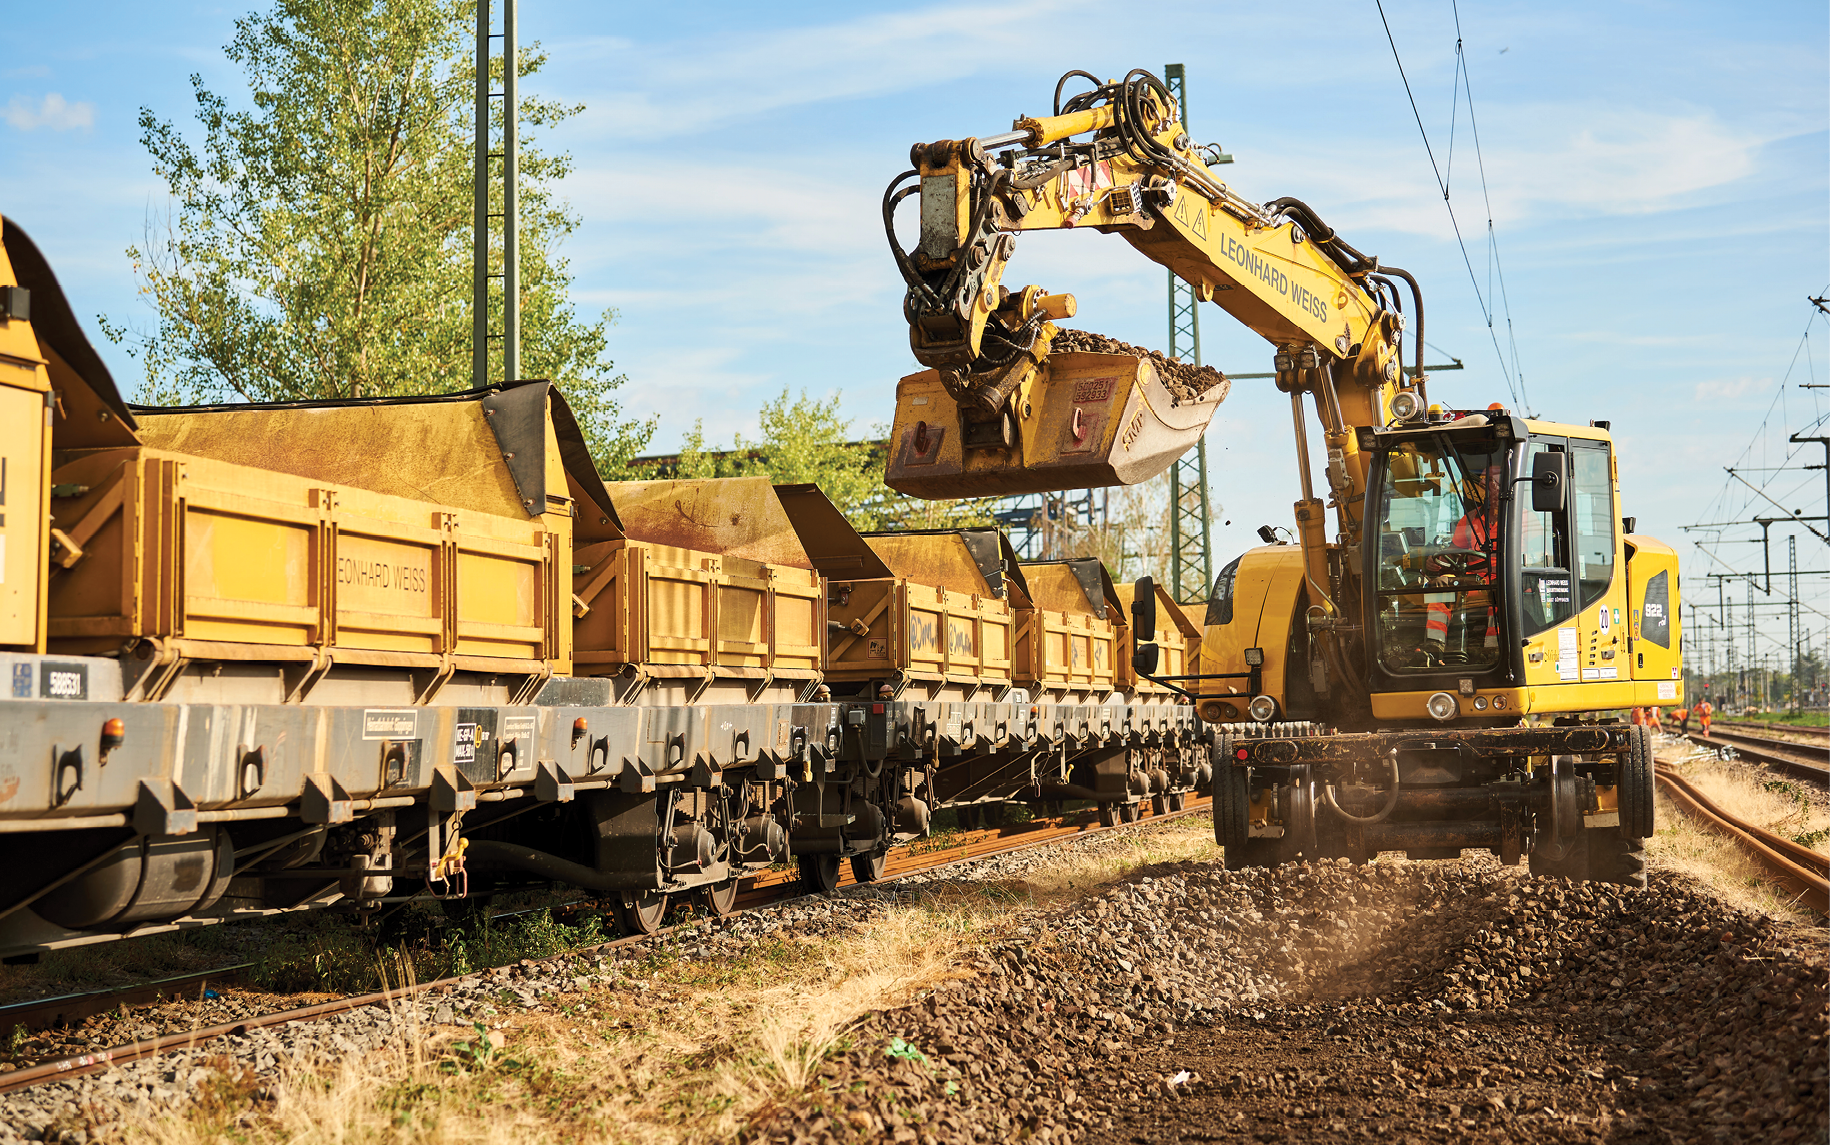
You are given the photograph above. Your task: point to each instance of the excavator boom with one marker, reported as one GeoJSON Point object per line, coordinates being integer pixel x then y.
{"type": "Point", "coordinates": [996, 412]}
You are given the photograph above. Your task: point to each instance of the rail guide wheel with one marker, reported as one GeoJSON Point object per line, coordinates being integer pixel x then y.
{"type": "Point", "coordinates": [819, 874]}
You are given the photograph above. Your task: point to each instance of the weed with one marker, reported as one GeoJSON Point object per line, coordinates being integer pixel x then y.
{"type": "Point", "coordinates": [901, 1049]}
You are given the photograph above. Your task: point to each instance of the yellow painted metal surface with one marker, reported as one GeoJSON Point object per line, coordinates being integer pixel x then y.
{"type": "Point", "coordinates": [438, 452]}
{"type": "Point", "coordinates": [1067, 647]}
{"type": "Point", "coordinates": [711, 581]}
{"type": "Point", "coordinates": [1177, 635]}
{"type": "Point", "coordinates": [252, 561]}
{"type": "Point", "coordinates": [25, 466]}
{"type": "Point", "coordinates": [1084, 420]}
{"type": "Point", "coordinates": [937, 620]}
{"type": "Point", "coordinates": [25, 450]}
{"type": "Point", "coordinates": [1266, 588]}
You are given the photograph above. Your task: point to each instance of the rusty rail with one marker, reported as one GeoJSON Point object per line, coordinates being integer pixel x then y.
{"type": "Point", "coordinates": [1800, 870]}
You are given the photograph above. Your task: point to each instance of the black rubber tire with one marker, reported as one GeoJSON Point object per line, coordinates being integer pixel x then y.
{"type": "Point", "coordinates": [1232, 806]}
{"type": "Point", "coordinates": [1108, 814]}
{"type": "Point", "coordinates": [1636, 784]}
{"type": "Point", "coordinates": [1159, 804]}
{"type": "Point", "coordinates": [642, 912]}
{"type": "Point", "coordinates": [1178, 800]}
{"type": "Point", "coordinates": [868, 868]}
{"type": "Point", "coordinates": [819, 873]}
{"type": "Point", "coordinates": [1613, 859]}
{"type": "Point", "coordinates": [1573, 866]}
{"type": "Point", "coordinates": [719, 899]}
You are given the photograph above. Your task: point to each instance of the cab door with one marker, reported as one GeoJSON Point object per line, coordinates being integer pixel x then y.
{"type": "Point", "coordinates": [1600, 566]}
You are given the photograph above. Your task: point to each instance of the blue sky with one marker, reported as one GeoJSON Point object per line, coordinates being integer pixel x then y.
{"type": "Point", "coordinates": [1657, 174]}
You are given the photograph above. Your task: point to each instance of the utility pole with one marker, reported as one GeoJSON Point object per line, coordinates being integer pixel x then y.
{"type": "Point", "coordinates": [1794, 636]}
{"type": "Point", "coordinates": [481, 214]}
{"type": "Point", "coordinates": [1191, 553]}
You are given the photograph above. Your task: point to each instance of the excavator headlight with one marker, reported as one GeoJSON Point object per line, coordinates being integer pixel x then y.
{"type": "Point", "coordinates": [1262, 708]}
{"type": "Point", "coordinates": [1406, 405]}
{"type": "Point", "coordinates": [1443, 707]}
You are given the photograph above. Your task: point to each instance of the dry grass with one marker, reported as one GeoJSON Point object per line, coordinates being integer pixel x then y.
{"type": "Point", "coordinates": [680, 1051]}
{"type": "Point", "coordinates": [1719, 861]}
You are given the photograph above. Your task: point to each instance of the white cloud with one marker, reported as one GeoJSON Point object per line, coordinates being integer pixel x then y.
{"type": "Point", "coordinates": [53, 112]}
{"type": "Point", "coordinates": [1730, 389]}
{"type": "Point", "coordinates": [1557, 160]}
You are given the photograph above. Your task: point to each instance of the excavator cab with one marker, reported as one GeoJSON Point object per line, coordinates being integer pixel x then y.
{"type": "Point", "coordinates": [1499, 571]}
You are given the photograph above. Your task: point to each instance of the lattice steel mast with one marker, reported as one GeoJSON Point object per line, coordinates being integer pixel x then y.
{"type": "Point", "coordinates": [1191, 553]}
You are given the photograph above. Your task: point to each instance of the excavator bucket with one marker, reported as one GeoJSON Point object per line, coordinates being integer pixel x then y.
{"type": "Point", "coordinates": [1085, 420]}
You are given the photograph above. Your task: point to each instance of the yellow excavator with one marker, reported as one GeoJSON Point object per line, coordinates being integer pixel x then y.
{"type": "Point", "coordinates": [1446, 669]}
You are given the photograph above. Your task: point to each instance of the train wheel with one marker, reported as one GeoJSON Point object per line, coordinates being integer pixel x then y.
{"type": "Point", "coordinates": [1159, 804]}
{"type": "Point", "coordinates": [719, 899]}
{"type": "Point", "coordinates": [641, 912]}
{"type": "Point", "coordinates": [868, 868]}
{"type": "Point", "coordinates": [819, 874]}
{"type": "Point", "coordinates": [1130, 812]}
{"type": "Point", "coordinates": [1178, 800]}
{"type": "Point", "coordinates": [1108, 814]}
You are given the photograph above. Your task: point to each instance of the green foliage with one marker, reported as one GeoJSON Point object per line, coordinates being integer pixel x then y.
{"type": "Point", "coordinates": [318, 244]}
{"type": "Point", "coordinates": [805, 440]}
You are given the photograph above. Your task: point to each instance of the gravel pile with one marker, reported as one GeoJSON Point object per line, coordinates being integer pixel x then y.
{"type": "Point", "coordinates": [1186, 381]}
{"type": "Point", "coordinates": [1432, 1000]}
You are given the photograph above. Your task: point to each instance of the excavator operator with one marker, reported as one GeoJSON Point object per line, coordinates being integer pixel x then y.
{"type": "Point", "coordinates": [1471, 556]}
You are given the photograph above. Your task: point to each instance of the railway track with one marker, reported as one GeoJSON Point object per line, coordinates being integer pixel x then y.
{"type": "Point", "coordinates": [1805, 730]}
{"type": "Point", "coordinates": [1803, 760]}
{"type": "Point", "coordinates": [1802, 871]}
{"type": "Point", "coordinates": [763, 890]}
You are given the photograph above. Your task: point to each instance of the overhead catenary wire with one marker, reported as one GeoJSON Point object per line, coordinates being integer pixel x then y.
{"type": "Point", "coordinates": [1515, 382]}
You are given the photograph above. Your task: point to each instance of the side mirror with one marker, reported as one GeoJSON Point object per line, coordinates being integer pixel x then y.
{"type": "Point", "coordinates": [1144, 660]}
{"type": "Point", "coordinates": [1143, 611]}
{"type": "Point", "coordinates": [1549, 482]}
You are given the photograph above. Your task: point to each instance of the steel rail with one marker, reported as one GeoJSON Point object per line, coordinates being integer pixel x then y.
{"type": "Point", "coordinates": [1782, 755]}
{"type": "Point", "coordinates": [786, 884]}
{"type": "Point", "coordinates": [1802, 871]}
{"type": "Point", "coordinates": [1791, 729]}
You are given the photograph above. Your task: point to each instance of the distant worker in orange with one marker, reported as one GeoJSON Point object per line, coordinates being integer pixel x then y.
{"type": "Point", "coordinates": [1682, 716]}
{"type": "Point", "coordinates": [1704, 711]}
{"type": "Point", "coordinates": [1654, 720]}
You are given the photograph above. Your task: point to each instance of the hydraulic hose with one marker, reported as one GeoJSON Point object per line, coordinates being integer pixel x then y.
{"type": "Point", "coordinates": [1417, 301]}
{"type": "Point", "coordinates": [1391, 798]}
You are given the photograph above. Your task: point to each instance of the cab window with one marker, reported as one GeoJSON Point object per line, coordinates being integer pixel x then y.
{"type": "Point", "coordinates": [1545, 575]}
{"type": "Point", "coordinates": [1592, 505]}
{"type": "Point", "coordinates": [1220, 604]}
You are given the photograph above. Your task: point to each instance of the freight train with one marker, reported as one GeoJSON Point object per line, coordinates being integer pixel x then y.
{"type": "Point", "coordinates": [267, 658]}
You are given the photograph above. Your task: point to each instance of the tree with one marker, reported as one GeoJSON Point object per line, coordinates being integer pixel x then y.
{"type": "Point", "coordinates": [805, 440]}
{"type": "Point", "coordinates": [319, 244]}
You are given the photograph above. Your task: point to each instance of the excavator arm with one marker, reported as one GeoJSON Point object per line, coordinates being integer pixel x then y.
{"type": "Point", "coordinates": [1116, 159]}
{"type": "Point", "coordinates": [999, 411]}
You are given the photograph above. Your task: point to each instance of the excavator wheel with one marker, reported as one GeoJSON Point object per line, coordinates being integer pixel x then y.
{"type": "Point", "coordinates": [1616, 859]}
{"type": "Point", "coordinates": [1636, 784]}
